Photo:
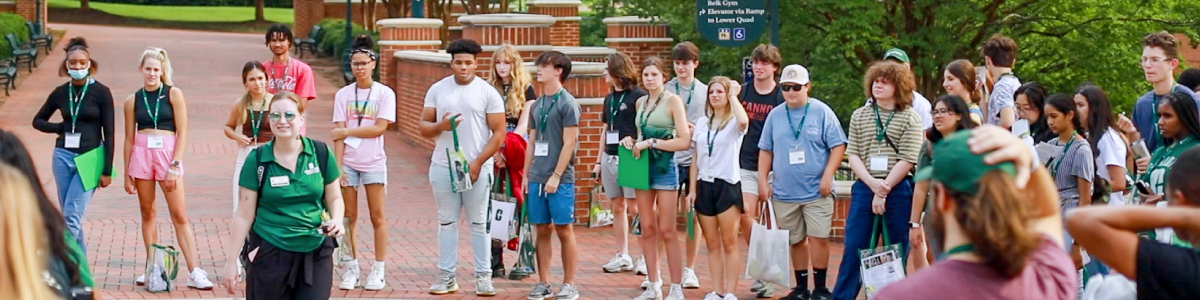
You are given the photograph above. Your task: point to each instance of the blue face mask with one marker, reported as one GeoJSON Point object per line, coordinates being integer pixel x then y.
{"type": "Point", "coordinates": [77, 74]}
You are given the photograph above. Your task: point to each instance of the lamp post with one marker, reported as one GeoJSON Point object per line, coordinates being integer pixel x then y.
{"type": "Point", "coordinates": [37, 23]}
{"type": "Point", "coordinates": [418, 9]}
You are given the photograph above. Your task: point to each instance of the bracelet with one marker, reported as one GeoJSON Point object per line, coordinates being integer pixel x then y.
{"type": "Point", "coordinates": [172, 172]}
{"type": "Point", "coordinates": [556, 175]}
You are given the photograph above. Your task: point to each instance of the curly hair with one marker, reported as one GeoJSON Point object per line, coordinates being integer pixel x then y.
{"type": "Point", "coordinates": [520, 79]}
{"type": "Point", "coordinates": [1163, 40]}
{"type": "Point", "coordinates": [897, 74]}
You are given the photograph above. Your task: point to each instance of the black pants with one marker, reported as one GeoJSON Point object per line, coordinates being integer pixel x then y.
{"type": "Point", "coordinates": [280, 274]}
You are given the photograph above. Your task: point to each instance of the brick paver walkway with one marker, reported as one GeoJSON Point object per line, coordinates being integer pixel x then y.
{"type": "Point", "coordinates": [207, 67]}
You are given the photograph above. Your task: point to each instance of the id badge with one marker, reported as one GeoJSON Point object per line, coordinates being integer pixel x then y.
{"type": "Point", "coordinates": [154, 142]}
{"type": "Point", "coordinates": [707, 175]}
{"type": "Point", "coordinates": [71, 140]}
{"type": "Point", "coordinates": [279, 181]}
{"type": "Point", "coordinates": [796, 156]}
{"type": "Point", "coordinates": [541, 149]}
{"type": "Point", "coordinates": [612, 138]}
{"type": "Point", "coordinates": [879, 162]}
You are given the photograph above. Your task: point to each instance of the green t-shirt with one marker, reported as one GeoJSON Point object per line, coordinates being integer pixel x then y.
{"type": "Point", "coordinates": [289, 213]}
{"type": "Point", "coordinates": [1162, 160]}
{"type": "Point", "coordinates": [924, 159]}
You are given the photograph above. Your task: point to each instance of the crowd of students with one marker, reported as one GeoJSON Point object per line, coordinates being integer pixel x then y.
{"type": "Point", "coordinates": [974, 186]}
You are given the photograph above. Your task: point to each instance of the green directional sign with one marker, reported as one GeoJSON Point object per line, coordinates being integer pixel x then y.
{"type": "Point", "coordinates": [731, 23]}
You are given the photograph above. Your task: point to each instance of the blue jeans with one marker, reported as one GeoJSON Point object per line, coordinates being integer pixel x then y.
{"type": "Point", "coordinates": [858, 231]}
{"type": "Point", "coordinates": [451, 206]}
{"type": "Point", "coordinates": [71, 196]}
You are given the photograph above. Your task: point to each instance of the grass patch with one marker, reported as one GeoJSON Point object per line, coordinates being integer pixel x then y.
{"type": "Point", "coordinates": [217, 14]}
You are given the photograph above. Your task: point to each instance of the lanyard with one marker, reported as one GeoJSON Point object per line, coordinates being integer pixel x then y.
{"type": "Point", "coordinates": [157, 103]}
{"type": "Point", "coordinates": [1063, 156]}
{"type": "Point", "coordinates": [545, 112]}
{"type": "Point", "coordinates": [645, 114]}
{"type": "Point", "coordinates": [691, 90]}
{"type": "Point", "coordinates": [1158, 139]}
{"type": "Point", "coordinates": [797, 130]}
{"type": "Point", "coordinates": [262, 111]}
{"type": "Point", "coordinates": [612, 109]}
{"type": "Point", "coordinates": [76, 102]}
{"type": "Point", "coordinates": [712, 138]}
{"type": "Point", "coordinates": [1154, 163]}
{"type": "Point", "coordinates": [279, 84]}
{"type": "Point", "coordinates": [362, 108]}
{"type": "Point", "coordinates": [880, 127]}
{"type": "Point", "coordinates": [956, 250]}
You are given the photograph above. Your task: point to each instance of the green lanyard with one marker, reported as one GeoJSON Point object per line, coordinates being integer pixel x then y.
{"type": "Point", "coordinates": [262, 111]}
{"type": "Point", "coordinates": [880, 127]}
{"type": "Point", "coordinates": [797, 130]}
{"type": "Point", "coordinates": [956, 250]}
{"type": "Point", "coordinates": [712, 138]}
{"type": "Point", "coordinates": [76, 102]}
{"type": "Point", "coordinates": [1158, 139]}
{"type": "Point", "coordinates": [612, 110]}
{"type": "Point", "coordinates": [645, 114]}
{"type": "Point", "coordinates": [157, 104]}
{"type": "Point", "coordinates": [1063, 156]}
{"type": "Point", "coordinates": [691, 90]}
{"type": "Point", "coordinates": [545, 112]}
{"type": "Point", "coordinates": [362, 108]}
{"type": "Point", "coordinates": [1157, 160]}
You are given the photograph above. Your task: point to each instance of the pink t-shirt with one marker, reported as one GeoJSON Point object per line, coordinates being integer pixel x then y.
{"type": "Point", "coordinates": [1049, 274]}
{"type": "Point", "coordinates": [352, 104]}
{"type": "Point", "coordinates": [295, 76]}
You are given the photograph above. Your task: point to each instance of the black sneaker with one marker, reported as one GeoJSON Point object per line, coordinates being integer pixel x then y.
{"type": "Point", "coordinates": [797, 294]}
{"type": "Point", "coordinates": [821, 294]}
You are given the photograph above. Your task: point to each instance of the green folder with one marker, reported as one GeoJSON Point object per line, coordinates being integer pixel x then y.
{"type": "Point", "coordinates": [633, 173]}
{"type": "Point", "coordinates": [90, 166]}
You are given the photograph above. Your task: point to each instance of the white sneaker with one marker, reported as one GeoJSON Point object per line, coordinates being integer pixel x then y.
{"type": "Point", "coordinates": [712, 296]}
{"type": "Point", "coordinates": [729, 296]}
{"type": "Point", "coordinates": [646, 282]}
{"type": "Point", "coordinates": [640, 267]}
{"type": "Point", "coordinates": [141, 280]}
{"type": "Point", "coordinates": [375, 280]}
{"type": "Point", "coordinates": [567, 292]}
{"type": "Point", "coordinates": [198, 279]}
{"type": "Point", "coordinates": [651, 294]}
{"type": "Point", "coordinates": [483, 285]}
{"type": "Point", "coordinates": [767, 291]}
{"type": "Point", "coordinates": [350, 277]}
{"type": "Point", "coordinates": [676, 292]}
{"type": "Point", "coordinates": [619, 263]}
{"type": "Point", "coordinates": [690, 281]}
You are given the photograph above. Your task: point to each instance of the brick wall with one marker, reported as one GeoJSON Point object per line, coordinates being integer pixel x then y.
{"type": "Point", "coordinates": [307, 13]}
{"type": "Point", "coordinates": [404, 34]}
{"type": "Point", "coordinates": [413, 79]}
{"type": "Point", "coordinates": [337, 10]}
{"type": "Point", "coordinates": [639, 38]}
{"type": "Point", "coordinates": [565, 31]}
{"type": "Point", "coordinates": [9, 7]}
{"type": "Point", "coordinates": [28, 9]}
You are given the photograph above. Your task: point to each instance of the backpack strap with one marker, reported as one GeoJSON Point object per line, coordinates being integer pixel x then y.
{"type": "Point", "coordinates": [262, 169]}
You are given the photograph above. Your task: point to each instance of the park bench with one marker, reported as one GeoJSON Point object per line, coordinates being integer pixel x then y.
{"type": "Point", "coordinates": [22, 52]}
{"type": "Point", "coordinates": [8, 74]}
{"type": "Point", "coordinates": [310, 43]}
{"type": "Point", "coordinates": [38, 38]}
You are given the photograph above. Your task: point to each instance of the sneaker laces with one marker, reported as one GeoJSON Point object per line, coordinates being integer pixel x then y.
{"type": "Point", "coordinates": [376, 272]}
{"type": "Point", "coordinates": [198, 274]}
{"type": "Point", "coordinates": [445, 278]}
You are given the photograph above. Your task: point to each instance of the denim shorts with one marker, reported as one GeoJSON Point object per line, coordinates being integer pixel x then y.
{"type": "Point", "coordinates": [357, 178]}
{"type": "Point", "coordinates": [665, 181]}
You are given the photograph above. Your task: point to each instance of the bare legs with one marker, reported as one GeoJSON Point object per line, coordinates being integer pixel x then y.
{"type": "Point", "coordinates": [621, 212]}
{"type": "Point", "coordinates": [720, 235]}
{"type": "Point", "coordinates": [177, 208]}
{"type": "Point", "coordinates": [658, 224]}
{"type": "Point", "coordinates": [545, 251]}
{"type": "Point", "coordinates": [375, 199]}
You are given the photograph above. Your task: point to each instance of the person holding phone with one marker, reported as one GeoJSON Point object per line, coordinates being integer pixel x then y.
{"type": "Point", "coordinates": [1179, 126]}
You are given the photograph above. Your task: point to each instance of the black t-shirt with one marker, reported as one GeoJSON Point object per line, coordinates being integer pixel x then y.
{"type": "Point", "coordinates": [758, 106]}
{"type": "Point", "coordinates": [512, 120]}
{"type": "Point", "coordinates": [94, 123]}
{"type": "Point", "coordinates": [1166, 271]}
{"type": "Point", "coordinates": [626, 112]}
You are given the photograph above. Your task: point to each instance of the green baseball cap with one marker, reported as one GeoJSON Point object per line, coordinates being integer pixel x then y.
{"type": "Point", "coordinates": [956, 167]}
{"type": "Point", "coordinates": [897, 54]}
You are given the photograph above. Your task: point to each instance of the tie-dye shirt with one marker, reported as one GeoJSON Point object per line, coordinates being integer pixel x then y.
{"type": "Point", "coordinates": [352, 104]}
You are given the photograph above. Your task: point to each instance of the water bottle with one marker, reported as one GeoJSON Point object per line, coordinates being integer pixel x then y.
{"type": "Point", "coordinates": [1139, 149]}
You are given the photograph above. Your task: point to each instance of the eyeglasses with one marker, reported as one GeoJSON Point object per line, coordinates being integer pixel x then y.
{"type": "Point", "coordinates": [275, 116]}
{"type": "Point", "coordinates": [360, 64]}
{"type": "Point", "coordinates": [789, 88]}
{"type": "Point", "coordinates": [1154, 60]}
{"type": "Point", "coordinates": [942, 111]}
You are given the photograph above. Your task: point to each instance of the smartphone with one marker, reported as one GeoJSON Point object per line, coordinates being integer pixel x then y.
{"type": "Point", "coordinates": [1143, 188]}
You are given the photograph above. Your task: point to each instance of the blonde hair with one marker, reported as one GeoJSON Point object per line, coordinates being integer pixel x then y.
{"type": "Point", "coordinates": [515, 100]}
{"type": "Point", "coordinates": [159, 54]}
{"type": "Point", "coordinates": [22, 237]}
{"type": "Point", "coordinates": [730, 97]}
{"type": "Point", "coordinates": [288, 96]}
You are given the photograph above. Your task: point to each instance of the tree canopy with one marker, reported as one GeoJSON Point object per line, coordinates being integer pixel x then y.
{"type": "Point", "coordinates": [1061, 43]}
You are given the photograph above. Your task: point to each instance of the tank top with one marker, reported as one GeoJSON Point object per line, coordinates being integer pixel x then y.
{"type": "Point", "coordinates": [264, 129]}
{"type": "Point", "coordinates": [658, 117]}
{"type": "Point", "coordinates": [143, 109]}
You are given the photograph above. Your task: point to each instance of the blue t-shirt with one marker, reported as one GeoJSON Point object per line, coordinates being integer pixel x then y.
{"type": "Point", "coordinates": [822, 132]}
{"type": "Point", "coordinates": [1144, 118]}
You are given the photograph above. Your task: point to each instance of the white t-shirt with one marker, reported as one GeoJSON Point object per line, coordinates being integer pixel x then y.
{"type": "Point", "coordinates": [1112, 153]}
{"type": "Point", "coordinates": [474, 101]}
{"type": "Point", "coordinates": [362, 108]}
{"type": "Point", "coordinates": [727, 145]}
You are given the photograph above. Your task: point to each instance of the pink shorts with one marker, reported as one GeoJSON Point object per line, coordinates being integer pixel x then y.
{"type": "Point", "coordinates": [151, 164]}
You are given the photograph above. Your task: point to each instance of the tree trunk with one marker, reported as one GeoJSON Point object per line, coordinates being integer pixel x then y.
{"type": "Point", "coordinates": [369, 16]}
{"type": "Point", "coordinates": [83, 4]}
{"type": "Point", "coordinates": [258, 10]}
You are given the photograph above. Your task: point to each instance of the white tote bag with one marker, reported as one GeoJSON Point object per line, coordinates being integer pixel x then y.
{"type": "Point", "coordinates": [768, 259]}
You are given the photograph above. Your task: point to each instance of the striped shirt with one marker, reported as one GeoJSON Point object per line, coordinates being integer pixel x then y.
{"type": "Point", "coordinates": [1077, 163]}
{"type": "Point", "coordinates": [904, 131]}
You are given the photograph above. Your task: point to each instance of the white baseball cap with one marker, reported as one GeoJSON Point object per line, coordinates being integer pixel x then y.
{"type": "Point", "coordinates": [794, 74]}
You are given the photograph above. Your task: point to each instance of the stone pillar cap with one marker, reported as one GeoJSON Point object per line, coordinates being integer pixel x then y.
{"type": "Point", "coordinates": [409, 23]}
{"type": "Point", "coordinates": [628, 20]}
{"type": "Point", "coordinates": [507, 20]}
{"type": "Point", "coordinates": [554, 3]}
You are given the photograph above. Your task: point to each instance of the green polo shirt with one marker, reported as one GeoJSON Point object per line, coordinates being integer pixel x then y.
{"type": "Point", "coordinates": [289, 214]}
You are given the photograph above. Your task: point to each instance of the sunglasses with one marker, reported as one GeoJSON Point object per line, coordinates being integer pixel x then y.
{"type": "Point", "coordinates": [789, 88]}
{"type": "Point", "coordinates": [275, 116]}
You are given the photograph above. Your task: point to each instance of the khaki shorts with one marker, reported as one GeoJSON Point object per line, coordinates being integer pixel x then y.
{"type": "Point", "coordinates": [805, 219]}
{"type": "Point", "coordinates": [750, 181]}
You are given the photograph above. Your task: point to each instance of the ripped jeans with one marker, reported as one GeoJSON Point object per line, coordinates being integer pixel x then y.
{"type": "Point", "coordinates": [450, 205]}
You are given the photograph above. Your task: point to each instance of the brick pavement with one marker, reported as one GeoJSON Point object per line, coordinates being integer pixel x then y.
{"type": "Point", "coordinates": [207, 68]}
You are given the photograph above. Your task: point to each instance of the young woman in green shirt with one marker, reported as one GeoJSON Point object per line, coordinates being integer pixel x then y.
{"type": "Point", "coordinates": [285, 216]}
{"type": "Point", "coordinates": [1179, 126]}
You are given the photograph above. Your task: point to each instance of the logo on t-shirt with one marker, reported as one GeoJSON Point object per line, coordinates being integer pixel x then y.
{"type": "Point", "coordinates": [288, 83]}
{"type": "Point", "coordinates": [357, 109]}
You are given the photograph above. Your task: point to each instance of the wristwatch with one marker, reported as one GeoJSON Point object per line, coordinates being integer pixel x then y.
{"type": "Point", "coordinates": [914, 224]}
{"type": "Point", "coordinates": [176, 163]}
